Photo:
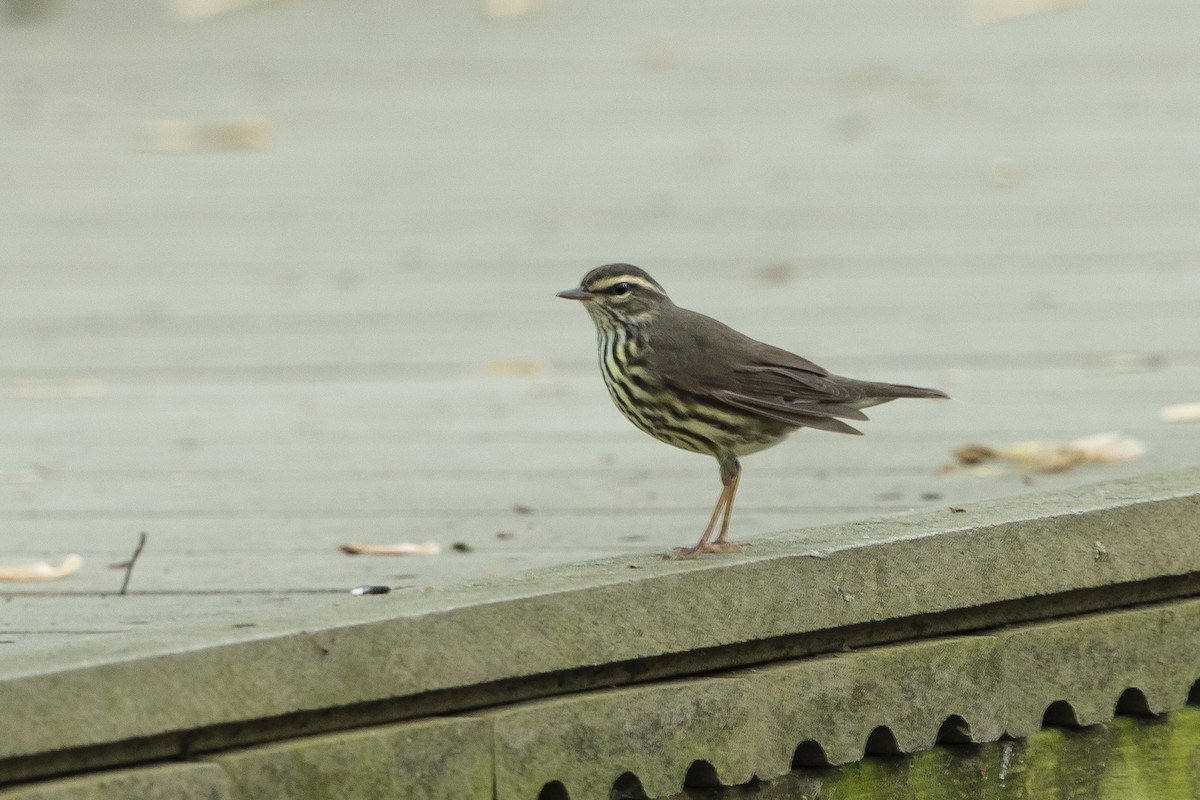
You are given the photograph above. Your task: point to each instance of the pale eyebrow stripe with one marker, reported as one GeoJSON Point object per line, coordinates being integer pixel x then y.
{"type": "Point", "coordinates": [611, 282]}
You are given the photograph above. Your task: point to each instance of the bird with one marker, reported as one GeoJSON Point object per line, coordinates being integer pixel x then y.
{"type": "Point", "coordinates": [695, 383]}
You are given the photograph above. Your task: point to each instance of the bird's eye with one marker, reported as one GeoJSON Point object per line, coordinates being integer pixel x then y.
{"type": "Point", "coordinates": [621, 289]}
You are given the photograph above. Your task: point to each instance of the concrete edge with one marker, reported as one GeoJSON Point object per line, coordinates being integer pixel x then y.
{"type": "Point", "coordinates": [586, 616]}
{"type": "Point", "coordinates": [752, 723]}
{"type": "Point", "coordinates": [718, 730]}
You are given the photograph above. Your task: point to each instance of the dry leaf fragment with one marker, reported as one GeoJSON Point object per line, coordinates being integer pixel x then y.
{"type": "Point", "coordinates": [1105, 447]}
{"type": "Point", "coordinates": [522, 367]}
{"type": "Point", "coordinates": [10, 476]}
{"type": "Point", "coordinates": [984, 12]}
{"type": "Point", "coordinates": [661, 52]}
{"type": "Point", "coordinates": [778, 273]}
{"type": "Point", "coordinates": [1180, 412]}
{"type": "Point", "coordinates": [194, 10]}
{"type": "Point", "coordinates": [42, 570]}
{"type": "Point", "coordinates": [507, 9]}
{"type": "Point", "coordinates": [53, 388]}
{"type": "Point", "coordinates": [975, 454]}
{"type": "Point", "coordinates": [1127, 362]}
{"type": "Point", "coordinates": [1003, 173]}
{"type": "Point", "coordinates": [430, 548]}
{"type": "Point", "coordinates": [187, 136]}
{"type": "Point", "coordinates": [1050, 457]}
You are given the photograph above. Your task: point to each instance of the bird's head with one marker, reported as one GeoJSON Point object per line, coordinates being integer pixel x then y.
{"type": "Point", "coordinates": [619, 294]}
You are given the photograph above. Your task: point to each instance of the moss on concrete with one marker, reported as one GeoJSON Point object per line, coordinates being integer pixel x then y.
{"type": "Point", "coordinates": [163, 782]}
{"type": "Point", "coordinates": [750, 722]}
{"type": "Point", "coordinates": [1126, 759]}
{"type": "Point", "coordinates": [435, 759]}
{"type": "Point", "coordinates": [654, 732]}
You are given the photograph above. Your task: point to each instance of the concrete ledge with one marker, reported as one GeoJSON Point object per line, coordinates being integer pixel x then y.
{"type": "Point", "coordinates": [335, 664]}
{"type": "Point", "coordinates": [435, 759]}
{"type": "Point", "coordinates": [723, 730]}
{"type": "Point", "coordinates": [164, 782]}
{"type": "Point", "coordinates": [754, 723]}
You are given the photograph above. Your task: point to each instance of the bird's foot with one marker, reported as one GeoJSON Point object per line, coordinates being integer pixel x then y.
{"type": "Point", "coordinates": [686, 553]}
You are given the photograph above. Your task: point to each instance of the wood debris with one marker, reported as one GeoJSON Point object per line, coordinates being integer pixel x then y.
{"type": "Point", "coordinates": [430, 548]}
{"type": "Point", "coordinates": [371, 588]}
{"type": "Point", "coordinates": [42, 570]}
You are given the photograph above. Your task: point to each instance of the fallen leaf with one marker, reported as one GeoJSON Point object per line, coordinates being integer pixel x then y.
{"type": "Point", "coordinates": [507, 9]}
{"type": "Point", "coordinates": [779, 273]}
{"type": "Point", "coordinates": [985, 12]}
{"type": "Point", "coordinates": [461, 547]}
{"type": "Point", "coordinates": [194, 10]}
{"type": "Point", "coordinates": [53, 388]}
{"type": "Point", "coordinates": [42, 570]}
{"type": "Point", "coordinates": [430, 548]}
{"type": "Point", "coordinates": [524, 367]}
{"type": "Point", "coordinates": [975, 454]}
{"type": "Point", "coordinates": [1003, 173]}
{"type": "Point", "coordinates": [660, 52]}
{"type": "Point", "coordinates": [8, 476]}
{"type": "Point", "coordinates": [1127, 362]}
{"type": "Point", "coordinates": [1105, 447]}
{"type": "Point", "coordinates": [1050, 457]}
{"type": "Point", "coordinates": [1180, 412]}
{"type": "Point", "coordinates": [188, 136]}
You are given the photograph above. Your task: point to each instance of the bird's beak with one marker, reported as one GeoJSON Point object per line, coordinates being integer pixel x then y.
{"type": "Point", "coordinates": [577, 293]}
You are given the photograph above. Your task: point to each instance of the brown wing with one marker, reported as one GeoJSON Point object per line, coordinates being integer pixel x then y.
{"type": "Point", "coordinates": [701, 355]}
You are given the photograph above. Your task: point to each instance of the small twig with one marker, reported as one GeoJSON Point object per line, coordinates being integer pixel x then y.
{"type": "Point", "coordinates": [137, 551]}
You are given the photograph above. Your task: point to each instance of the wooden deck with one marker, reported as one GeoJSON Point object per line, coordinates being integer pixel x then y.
{"type": "Point", "coordinates": [347, 331]}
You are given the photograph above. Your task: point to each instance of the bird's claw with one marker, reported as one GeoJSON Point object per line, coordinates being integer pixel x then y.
{"type": "Point", "coordinates": [688, 553]}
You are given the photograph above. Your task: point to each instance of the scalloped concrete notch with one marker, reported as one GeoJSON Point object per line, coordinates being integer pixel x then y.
{"type": "Point", "coordinates": [750, 723]}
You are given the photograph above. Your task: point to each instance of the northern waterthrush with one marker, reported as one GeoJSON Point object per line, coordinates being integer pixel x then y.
{"type": "Point", "coordinates": [693, 382]}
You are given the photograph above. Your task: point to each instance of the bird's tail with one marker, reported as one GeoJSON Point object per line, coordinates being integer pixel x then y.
{"type": "Point", "coordinates": [877, 393]}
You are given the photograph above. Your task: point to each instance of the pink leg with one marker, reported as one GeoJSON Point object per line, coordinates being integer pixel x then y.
{"type": "Point", "coordinates": [703, 546]}
{"type": "Point", "coordinates": [731, 475]}
{"type": "Point", "coordinates": [732, 489]}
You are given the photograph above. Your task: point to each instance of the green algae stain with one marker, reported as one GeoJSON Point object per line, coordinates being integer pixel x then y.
{"type": "Point", "coordinates": [1131, 758]}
